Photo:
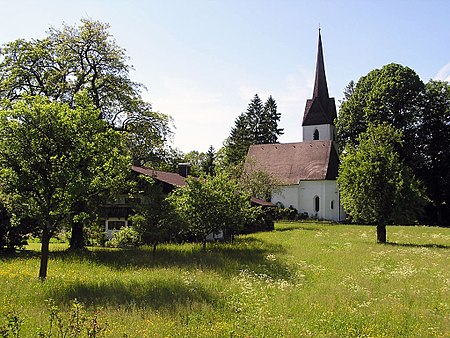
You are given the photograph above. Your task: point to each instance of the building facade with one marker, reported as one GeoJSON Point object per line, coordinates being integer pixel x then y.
{"type": "Point", "coordinates": [307, 170]}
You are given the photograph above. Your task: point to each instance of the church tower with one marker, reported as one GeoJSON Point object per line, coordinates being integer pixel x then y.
{"type": "Point", "coordinates": [320, 111]}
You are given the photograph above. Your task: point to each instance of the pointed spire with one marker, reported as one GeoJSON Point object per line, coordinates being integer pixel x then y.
{"type": "Point", "coordinates": [320, 109]}
{"type": "Point", "coordinates": [320, 84]}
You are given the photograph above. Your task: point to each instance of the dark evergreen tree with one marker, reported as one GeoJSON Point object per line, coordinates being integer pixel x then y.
{"type": "Point", "coordinates": [269, 130]}
{"type": "Point", "coordinates": [240, 138]}
{"type": "Point", "coordinates": [208, 165]}
{"type": "Point", "coordinates": [432, 144]}
{"type": "Point", "coordinates": [258, 125]}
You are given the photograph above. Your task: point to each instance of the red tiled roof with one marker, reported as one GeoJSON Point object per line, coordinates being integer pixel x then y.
{"type": "Point", "coordinates": [171, 178]}
{"type": "Point", "coordinates": [261, 202]}
{"type": "Point", "coordinates": [295, 162]}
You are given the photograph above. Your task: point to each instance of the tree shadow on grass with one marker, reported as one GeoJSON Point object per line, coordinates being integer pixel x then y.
{"type": "Point", "coordinates": [227, 259]}
{"type": "Point", "coordinates": [298, 226]}
{"type": "Point", "coordinates": [155, 294]}
{"type": "Point", "coordinates": [253, 255]}
{"type": "Point", "coordinates": [414, 245]}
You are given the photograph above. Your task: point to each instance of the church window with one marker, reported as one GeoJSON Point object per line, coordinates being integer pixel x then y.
{"type": "Point", "coordinates": [316, 135]}
{"type": "Point", "coordinates": [332, 205]}
{"type": "Point", "coordinates": [316, 203]}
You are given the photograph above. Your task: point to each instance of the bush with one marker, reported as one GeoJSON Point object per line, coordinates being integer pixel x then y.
{"type": "Point", "coordinates": [127, 237]}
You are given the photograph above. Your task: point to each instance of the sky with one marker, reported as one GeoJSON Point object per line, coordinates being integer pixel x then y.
{"type": "Point", "coordinates": [202, 61]}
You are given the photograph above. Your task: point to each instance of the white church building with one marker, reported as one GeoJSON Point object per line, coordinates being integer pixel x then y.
{"type": "Point", "coordinates": [307, 170]}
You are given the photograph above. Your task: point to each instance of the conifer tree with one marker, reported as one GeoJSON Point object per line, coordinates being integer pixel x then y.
{"type": "Point", "coordinates": [258, 125]}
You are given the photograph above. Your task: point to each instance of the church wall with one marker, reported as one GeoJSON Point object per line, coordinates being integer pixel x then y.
{"type": "Point", "coordinates": [326, 132]}
{"type": "Point", "coordinates": [288, 196]}
{"type": "Point", "coordinates": [302, 197]}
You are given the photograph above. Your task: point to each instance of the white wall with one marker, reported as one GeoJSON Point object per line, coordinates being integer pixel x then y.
{"type": "Point", "coordinates": [302, 197]}
{"type": "Point", "coordinates": [327, 132]}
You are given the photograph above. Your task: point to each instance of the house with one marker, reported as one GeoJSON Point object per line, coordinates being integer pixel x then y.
{"type": "Point", "coordinates": [307, 170]}
{"type": "Point", "coordinates": [115, 214]}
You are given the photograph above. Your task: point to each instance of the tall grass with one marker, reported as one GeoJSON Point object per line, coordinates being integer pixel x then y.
{"type": "Point", "coordinates": [303, 279]}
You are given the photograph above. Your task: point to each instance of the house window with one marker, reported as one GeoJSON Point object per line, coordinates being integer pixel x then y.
{"type": "Point", "coordinates": [316, 203]}
{"type": "Point", "coordinates": [116, 225]}
{"type": "Point", "coordinates": [316, 135]}
{"type": "Point", "coordinates": [332, 205]}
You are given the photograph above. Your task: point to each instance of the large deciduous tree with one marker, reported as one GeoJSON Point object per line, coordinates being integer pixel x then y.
{"type": "Point", "coordinates": [395, 94]}
{"type": "Point", "coordinates": [376, 186]}
{"type": "Point", "coordinates": [86, 58]}
{"type": "Point", "coordinates": [53, 156]}
{"type": "Point", "coordinates": [390, 94]}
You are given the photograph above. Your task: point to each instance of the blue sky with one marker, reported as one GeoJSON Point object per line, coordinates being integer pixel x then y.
{"type": "Point", "coordinates": [203, 61]}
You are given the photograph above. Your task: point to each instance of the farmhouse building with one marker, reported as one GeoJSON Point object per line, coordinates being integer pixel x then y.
{"type": "Point", "coordinates": [115, 214]}
{"type": "Point", "coordinates": [306, 170]}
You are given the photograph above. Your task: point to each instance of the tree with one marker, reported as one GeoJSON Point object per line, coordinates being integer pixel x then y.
{"type": "Point", "coordinates": [348, 92]}
{"type": "Point", "coordinates": [86, 58]}
{"type": "Point", "coordinates": [376, 186]}
{"type": "Point", "coordinates": [390, 94]}
{"type": "Point", "coordinates": [258, 125]}
{"type": "Point", "coordinates": [154, 217]}
{"type": "Point", "coordinates": [432, 144]}
{"type": "Point", "coordinates": [208, 164]}
{"type": "Point", "coordinates": [52, 156]}
{"type": "Point", "coordinates": [268, 129]}
{"type": "Point", "coordinates": [258, 183]}
{"type": "Point", "coordinates": [195, 159]}
{"type": "Point", "coordinates": [210, 204]}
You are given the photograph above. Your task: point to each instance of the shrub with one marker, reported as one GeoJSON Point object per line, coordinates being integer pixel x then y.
{"type": "Point", "coordinates": [127, 237]}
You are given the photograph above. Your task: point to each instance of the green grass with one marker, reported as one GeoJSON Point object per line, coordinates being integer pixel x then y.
{"type": "Point", "coordinates": [303, 279]}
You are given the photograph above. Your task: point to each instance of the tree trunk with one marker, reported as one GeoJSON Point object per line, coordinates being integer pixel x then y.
{"type": "Point", "coordinates": [77, 238]}
{"type": "Point", "coordinates": [44, 254]}
{"type": "Point", "coordinates": [381, 233]}
{"type": "Point", "coordinates": [154, 249]}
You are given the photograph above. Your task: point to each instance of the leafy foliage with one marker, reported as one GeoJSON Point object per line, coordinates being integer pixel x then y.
{"type": "Point", "coordinates": [376, 186]}
{"type": "Point", "coordinates": [395, 94]}
{"type": "Point", "coordinates": [154, 217]}
{"type": "Point", "coordinates": [126, 237]}
{"type": "Point", "coordinates": [86, 58]}
{"type": "Point", "coordinates": [389, 94]}
{"type": "Point", "coordinates": [210, 204]}
{"type": "Point", "coordinates": [52, 156]}
{"type": "Point", "coordinates": [433, 141]}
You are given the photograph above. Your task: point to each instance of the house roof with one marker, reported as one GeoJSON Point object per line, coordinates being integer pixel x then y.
{"type": "Point", "coordinates": [294, 162]}
{"type": "Point", "coordinates": [173, 179]}
{"type": "Point", "coordinates": [261, 202]}
{"type": "Point", "coordinates": [321, 109]}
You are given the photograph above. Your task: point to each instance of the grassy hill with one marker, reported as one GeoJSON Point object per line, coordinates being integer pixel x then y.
{"type": "Point", "coordinates": [301, 280]}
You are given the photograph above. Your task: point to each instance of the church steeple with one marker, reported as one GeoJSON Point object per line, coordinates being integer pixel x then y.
{"type": "Point", "coordinates": [320, 84]}
{"type": "Point", "coordinates": [320, 110]}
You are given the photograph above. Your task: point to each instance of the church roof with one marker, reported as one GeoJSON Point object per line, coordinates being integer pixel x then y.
{"type": "Point", "coordinates": [321, 109]}
{"type": "Point", "coordinates": [294, 162]}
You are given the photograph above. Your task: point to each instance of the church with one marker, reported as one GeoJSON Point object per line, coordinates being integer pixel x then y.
{"type": "Point", "coordinates": [306, 170]}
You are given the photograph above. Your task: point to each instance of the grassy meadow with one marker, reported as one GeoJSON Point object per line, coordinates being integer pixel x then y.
{"type": "Point", "coordinates": [301, 280]}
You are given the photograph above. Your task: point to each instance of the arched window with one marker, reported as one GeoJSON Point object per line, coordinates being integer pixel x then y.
{"type": "Point", "coordinates": [332, 205]}
{"type": "Point", "coordinates": [316, 135]}
{"type": "Point", "coordinates": [316, 203]}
